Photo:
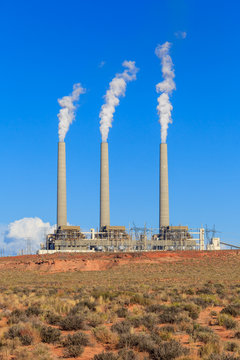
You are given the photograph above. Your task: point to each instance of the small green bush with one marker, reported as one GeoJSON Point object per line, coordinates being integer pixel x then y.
{"type": "Point", "coordinates": [122, 312]}
{"type": "Point", "coordinates": [155, 308]}
{"type": "Point", "coordinates": [172, 314]}
{"type": "Point", "coordinates": [50, 335]}
{"type": "Point", "coordinates": [125, 354]}
{"type": "Point", "coordinates": [105, 356]}
{"type": "Point", "coordinates": [72, 322]}
{"type": "Point", "coordinates": [33, 310]}
{"type": "Point", "coordinates": [53, 319]}
{"type": "Point", "coordinates": [139, 299]}
{"type": "Point", "coordinates": [143, 342]}
{"type": "Point", "coordinates": [149, 321]}
{"type": "Point", "coordinates": [73, 351]}
{"type": "Point", "coordinates": [104, 335]}
{"type": "Point", "coordinates": [121, 327]}
{"type": "Point", "coordinates": [232, 346]}
{"type": "Point", "coordinates": [233, 310]}
{"type": "Point", "coordinates": [192, 309]}
{"type": "Point", "coordinates": [222, 357]}
{"type": "Point", "coordinates": [94, 319]}
{"type": "Point", "coordinates": [17, 316]}
{"type": "Point", "coordinates": [210, 349]}
{"type": "Point", "coordinates": [237, 335]}
{"type": "Point", "coordinates": [168, 351]}
{"type": "Point", "coordinates": [79, 338]}
{"type": "Point", "coordinates": [24, 333]}
{"type": "Point", "coordinates": [227, 321]}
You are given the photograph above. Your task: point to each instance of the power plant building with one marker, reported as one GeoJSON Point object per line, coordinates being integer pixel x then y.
{"type": "Point", "coordinates": [115, 238]}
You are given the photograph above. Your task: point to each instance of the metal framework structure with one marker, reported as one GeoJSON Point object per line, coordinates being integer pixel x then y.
{"type": "Point", "coordinates": [116, 238]}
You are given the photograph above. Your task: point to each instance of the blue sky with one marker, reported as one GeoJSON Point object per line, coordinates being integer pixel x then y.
{"type": "Point", "coordinates": [47, 46]}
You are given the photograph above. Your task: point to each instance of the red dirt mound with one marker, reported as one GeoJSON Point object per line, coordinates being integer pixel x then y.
{"type": "Point", "coordinates": [62, 262]}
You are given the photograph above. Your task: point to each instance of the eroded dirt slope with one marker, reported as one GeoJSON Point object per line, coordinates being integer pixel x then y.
{"type": "Point", "coordinates": [102, 261]}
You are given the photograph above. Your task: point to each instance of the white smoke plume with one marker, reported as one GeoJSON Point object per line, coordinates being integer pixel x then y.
{"type": "Point", "coordinates": [67, 114]}
{"type": "Point", "coordinates": [20, 234]}
{"type": "Point", "coordinates": [165, 87]}
{"type": "Point", "coordinates": [117, 88]}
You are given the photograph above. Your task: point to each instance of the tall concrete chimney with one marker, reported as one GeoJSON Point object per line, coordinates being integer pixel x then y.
{"type": "Point", "coordinates": [61, 186]}
{"type": "Point", "coordinates": [164, 200]}
{"type": "Point", "coordinates": [104, 187]}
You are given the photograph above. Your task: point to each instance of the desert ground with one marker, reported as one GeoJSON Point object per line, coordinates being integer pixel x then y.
{"type": "Point", "coordinates": [121, 306]}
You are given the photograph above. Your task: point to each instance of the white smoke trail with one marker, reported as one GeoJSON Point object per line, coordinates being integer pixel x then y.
{"type": "Point", "coordinates": [165, 87]}
{"type": "Point", "coordinates": [117, 88]}
{"type": "Point", "coordinates": [67, 114]}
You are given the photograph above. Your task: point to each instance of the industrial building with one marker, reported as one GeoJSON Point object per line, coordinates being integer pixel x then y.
{"type": "Point", "coordinates": [118, 238]}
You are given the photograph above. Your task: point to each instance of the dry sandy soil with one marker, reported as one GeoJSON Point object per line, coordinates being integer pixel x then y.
{"type": "Point", "coordinates": [201, 282]}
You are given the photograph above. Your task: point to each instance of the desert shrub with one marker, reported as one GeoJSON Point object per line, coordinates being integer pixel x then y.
{"type": "Point", "coordinates": [50, 335]}
{"type": "Point", "coordinates": [105, 356]}
{"type": "Point", "coordinates": [91, 305]}
{"type": "Point", "coordinates": [205, 337]}
{"type": "Point", "coordinates": [125, 354]}
{"type": "Point", "coordinates": [139, 299]}
{"type": "Point", "coordinates": [106, 295]}
{"type": "Point", "coordinates": [227, 321]}
{"type": "Point", "coordinates": [73, 351]}
{"type": "Point", "coordinates": [168, 350]}
{"type": "Point", "coordinates": [149, 321]}
{"type": "Point", "coordinates": [26, 336]}
{"type": "Point", "coordinates": [143, 342]}
{"type": "Point", "coordinates": [189, 291]}
{"type": "Point", "coordinates": [213, 313]}
{"type": "Point", "coordinates": [155, 308]}
{"type": "Point", "coordinates": [192, 309]}
{"type": "Point", "coordinates": [233, 310]}
{"type": "Point", "coordinates": [237, 335]}
{"type": "Point", "coordinates": [202, 333]}
{"type": "Point", "coordinates": [52, 291]}
{"type": "Point", "coordinates": [209, 349]}
{"type": "Point", "coordinates": [72, 322]}
{"type": "Point", "coordinates": [52, 318]}
{"type": "Point", "coordinates": [121, 327]}
{"type": "Point", "coordinates": [33, 310]}
{"type": "Point", "coordinates": [207, 289]}
{"type": "Point", "coordinates": [94, 319]}
{"type": "Point", "coordinates": [41, 352]}
{"type": "Point", "coordinates": [20, 354]}
{"type": "Point", "coordinates": [77, 309]}
{"type": "Point", "coordinates": [135, 321]}
{"type": "Point", "coordinates": [17, 316]}
{"type": "Point", "coordinates": [164, 335]}
{"type": "Point", "coordinates": [24, 333]}
{"type": "Point", "coordinates": [232, 346]}
{"type": "Point", "coordinates": [104, 335]}
{"type": "Point", "coordinates": [223, 357]}
{"type": "Point", "coordinates": [79, 338]}
{"type": "Point", "coordinates": [122, 312]}
{"type": "Point", "coordinates": [13, 332]}
{"type": "Point", "coordinates": [206, 300]}
{"type": "Point", "coordinates": [168, 328]}
{"type": "Point", "coordinates": [172, 314]}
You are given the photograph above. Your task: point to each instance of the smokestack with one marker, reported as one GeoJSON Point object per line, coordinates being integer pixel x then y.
{"type": "Point", "coordinates": [61, 186]}
{"type": "Point", "coordinates": [164, 201]}
{"type": "Point", "coordinates": [104, 187]}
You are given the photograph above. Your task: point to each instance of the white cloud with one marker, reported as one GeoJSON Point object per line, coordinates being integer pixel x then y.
{"type": "Point", "coordinates": [180, 34]}
{"type": "Point", "coordinates": [22, 233]}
